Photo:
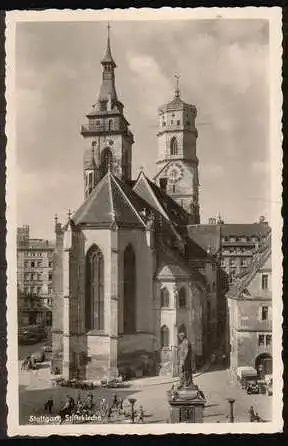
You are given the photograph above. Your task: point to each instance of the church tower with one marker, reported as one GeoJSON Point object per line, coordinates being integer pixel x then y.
{"type": "Point", "coordinates": [177, 162]}
{"type": "Point", "coordinates": [107, 135]}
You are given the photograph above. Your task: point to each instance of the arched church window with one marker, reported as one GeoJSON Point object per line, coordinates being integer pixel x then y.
{"type": "Point", "coordinates": [94, 296]}
{"type": "Point", "coordinates": [173, 146]}
{"type": "Point", "coordinates": [164, 295]}
{"type": "Point", "coordinates": [164, 336]}
{"type": "Point", "coordinates": [182, 298]}
{"type": "Point", "coordinates": [106, 159]}
{"type": "Point", "coordinates": [129, 290]}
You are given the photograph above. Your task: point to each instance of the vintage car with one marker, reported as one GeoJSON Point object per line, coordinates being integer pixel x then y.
{"type": "Point", "coordinates": [31, 334]}
{"type": "Point", "coordinates": [252, 387]}
{"type": "Point", "coordinates": [246, 375]}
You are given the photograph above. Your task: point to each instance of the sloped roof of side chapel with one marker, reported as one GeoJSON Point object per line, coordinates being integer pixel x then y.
{"type": "Point", "coordinates": [111, 202]}
{"type": "Point", "coordinates": [159, 200]}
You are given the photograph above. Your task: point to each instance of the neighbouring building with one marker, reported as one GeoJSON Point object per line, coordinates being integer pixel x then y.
{"type": "Point", "coordinates": [34, 278]}
{"type": "Point", "coordinates": [250, 314]}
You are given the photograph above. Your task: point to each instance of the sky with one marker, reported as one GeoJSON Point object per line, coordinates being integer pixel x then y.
{"type": "Point", "coordinates": [224, 73]}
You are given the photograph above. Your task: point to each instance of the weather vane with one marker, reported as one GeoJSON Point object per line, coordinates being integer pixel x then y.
{"type": "Point", "coordinates": [177, 91]}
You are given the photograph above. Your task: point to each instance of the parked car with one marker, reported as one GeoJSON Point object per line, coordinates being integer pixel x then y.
{"type": "Point", "coordinates": [31, 334]}
{"type": "Point", "coordinates": [252, 387]}
{"type": "Point", "coordinates": [47, 348]}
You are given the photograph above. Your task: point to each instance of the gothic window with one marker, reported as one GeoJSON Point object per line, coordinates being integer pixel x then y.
{"type": "Point", "coordinates": [164, 336]}
{"type": "Point", "coordinates": [94, 299]}
{"type": "Point", "coordinates": [173, 146]}
{"type": "Point", "coordinates": [182, 298]}
{"type": "Point", "coordinates": [129, 290]}
{"type": "Point", "coordinates": [107, 158]}
{"type": "Point", "coordinates": [164, 294]}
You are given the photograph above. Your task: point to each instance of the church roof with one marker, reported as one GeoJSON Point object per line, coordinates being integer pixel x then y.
{"type": "Point", "coordinates": [111, 202]}
{"type": "Point", "coordinates": [159, 200]}
{"type": "Point", "coordinates": [173, 265]}
{"type": "Point", "coordinates": [206, 237]}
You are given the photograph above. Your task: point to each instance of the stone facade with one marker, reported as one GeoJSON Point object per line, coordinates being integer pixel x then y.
{"type": "Point", "coordinates": [34, 278]}
{"type": "Point", "coordinates": [250, 317]}
{"type": "Point", "coordinates": [177, 162]}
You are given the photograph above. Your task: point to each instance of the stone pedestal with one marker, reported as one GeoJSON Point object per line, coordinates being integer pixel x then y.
{"type": "Point", "coordinates": [186, 405]}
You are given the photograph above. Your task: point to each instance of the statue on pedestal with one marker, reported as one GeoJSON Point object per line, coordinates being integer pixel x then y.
{"type": "Point", "coordinates": [185, 361]}
{"type": "Point", "coordinates": [186, 401]}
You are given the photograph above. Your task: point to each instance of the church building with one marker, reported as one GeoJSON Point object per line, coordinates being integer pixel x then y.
{"type": "Point", "coordinates": [127, 273]}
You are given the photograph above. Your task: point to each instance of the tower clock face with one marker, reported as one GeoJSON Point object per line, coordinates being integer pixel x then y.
{"type": "Point", "coordinates": [174, 172]}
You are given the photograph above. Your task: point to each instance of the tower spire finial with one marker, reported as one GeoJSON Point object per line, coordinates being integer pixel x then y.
{"type": "Point", "coordinates": [177, 89]}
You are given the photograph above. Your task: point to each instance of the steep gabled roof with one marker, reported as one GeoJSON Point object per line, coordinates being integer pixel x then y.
{"type": "Point", "coordinates": [111, 202]}
{"type": "Point", "coordinates": [241, 283]}
{"type": "Point", "coordinates": [172, 265]}
{"type": "Point", "coordinates": [159, 200]}
{"type": "Point", "coordinates": [205, 236]}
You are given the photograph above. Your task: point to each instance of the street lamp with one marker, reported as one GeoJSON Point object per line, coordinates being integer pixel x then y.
{"type": "Point", "coordinates": [132, 401]}
{"type": "Point", "coordinates": [231, 402]}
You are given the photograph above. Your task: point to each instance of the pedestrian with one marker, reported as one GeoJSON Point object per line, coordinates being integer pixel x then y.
{"type": "Point", "coordinates": [114, 401]}
{"type": "Point", "coordinates": [252, 414]}
{"type": "Point", "coordinates": [141, 415]}
{"type": "Point", "coordinates": [49, 405]}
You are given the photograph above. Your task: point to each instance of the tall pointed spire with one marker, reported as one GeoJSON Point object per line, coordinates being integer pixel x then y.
{"type": "Point", "coordinates": [108, 59]}
{"type": "Point", "coordinates": [108, 90]}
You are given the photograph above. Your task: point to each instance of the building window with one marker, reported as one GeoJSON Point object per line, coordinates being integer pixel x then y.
{"type": "Point", "coordinates": [264, 281]}
{"type": "Point", "coordinates": [129, 290]}
{"type": "Point", "coordinates": [178, 122]}
{"type": "Point", "coordinates": [32, 264]}
{"type": "Point", "coordinates": [110, 124]}
{"type": "Point", "coordinates": [173, 188]}
{"type": "Point", "coordinates": [49, 290]}
{"type": "Point", "coordinates": [107, 159]}
{"type": "Point", "coordinates": [171, 121]}
{"type": "Point", "coordinates": [164, 296]}
{"type": "Point", "coordinates": [182, 298]}
{"type": "Point", "coordinates": [164, 336]}
{"type": "Point", "coordinates": [264, 313]}
{"type": "Point", "coordinates": [173, 146]}
{"type": "Point", "coordinates": [39, 290]}
{"type": "Point", "coordinates": [261, 339]}
{"type": "Point", "coordinates": [163, 123]}
{"type": "Point", "coordinates": [39, 263]}
{"type": "Point", "coordinates": [94, 299]}
{"type": "Point", "coordinates": [268, 339]}
{"type": "Point", "coordinates": [50, 264]}
{"type": "Point", "coordinates": [243, 262]}
{"type": "Point", "coordinates": [50, 276]}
